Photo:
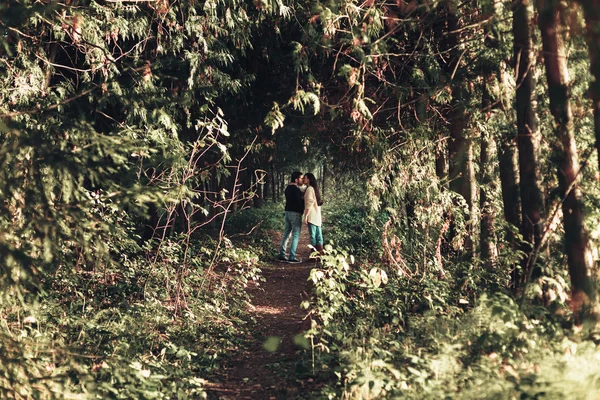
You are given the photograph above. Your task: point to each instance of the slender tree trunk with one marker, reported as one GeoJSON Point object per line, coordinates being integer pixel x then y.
{"type": "Point", "coordinates": [221, 185]}
{"type": "Point", "coordinates": [460, 154]}
{"type": "Point", "coordinates": [527, 129]}
{"type": "Point", "coordinates": [323, 178]}
{"type": "Point", "coordinates": [273, 185]}
{"type": "Point", "coordinates": [213, 196]}
{"type": "Point", "coordinates": [279, 191]}
{"type": "Point", "coordinates": [508, 163]}
{"type": "Point", "coordinates": [441, 164]}
{"type": "Point", "coordinates": [509, 173]}
{"type": "Point", "coordinates": [487, 240]}
{"type": "Point", "coordinates": [576, 235]}
{"type": "Point", "coordinates": [266, 187]}
{"type": "Point", "coordinates": [509, 180]}
{"type": "Point", "coordinates": [204, 202]}
{"type": "Point", "coordinates": [49, 70]}
{"type": "Point", "coordinates": [591, 10]}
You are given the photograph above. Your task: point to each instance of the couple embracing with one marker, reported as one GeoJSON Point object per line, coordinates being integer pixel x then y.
{"type": "Point", "coordinates": [301, 207]}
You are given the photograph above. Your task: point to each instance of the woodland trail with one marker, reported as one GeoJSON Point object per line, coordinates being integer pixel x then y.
{"type": "Point", "coordinates": [254, 373]}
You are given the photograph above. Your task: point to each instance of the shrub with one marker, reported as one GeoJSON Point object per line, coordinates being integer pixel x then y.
{"type": "Point", "coordinates": [151, 328]}
{"type": "Point", "coordinates": [377, 334]}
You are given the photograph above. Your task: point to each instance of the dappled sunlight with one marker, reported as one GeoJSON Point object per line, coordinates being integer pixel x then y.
{"type": "Point", "coordinates": [266, 310]}
{"type": "Point", "coordinates": [437, 159]}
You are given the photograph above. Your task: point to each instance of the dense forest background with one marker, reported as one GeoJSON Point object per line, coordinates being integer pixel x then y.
{"type": "Point", "coordinates": [146, 145]}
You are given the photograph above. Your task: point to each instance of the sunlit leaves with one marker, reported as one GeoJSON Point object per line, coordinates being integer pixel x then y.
{"type": "Point", "coordinates": [361, 106]}
{"type": "Point", "coordinates": [378, 277]}
{"type": "Point", "coordinates": [349, 73]}
{"type": "Point", "coordinates": [301, 99]}
{"type": "Point", "coordinates": [300, 57]}
{"type": "Point", "coordinates": [274, 118]}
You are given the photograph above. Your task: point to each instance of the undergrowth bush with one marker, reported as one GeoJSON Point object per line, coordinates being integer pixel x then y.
{"type": "Point", "coordinates": [378, 334]}
{"type": "Point", "coordinates": [254, 227]}
{"type": "Point", "coordinates": [151, 328]}
{"type": "Point", "coordinates": [268, 217]}
{"type": "Point", "coordinates": [353, 228]}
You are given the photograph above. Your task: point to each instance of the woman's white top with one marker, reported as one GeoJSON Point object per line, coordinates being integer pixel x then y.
{"type": "Point", "coordinates": [312, 210]}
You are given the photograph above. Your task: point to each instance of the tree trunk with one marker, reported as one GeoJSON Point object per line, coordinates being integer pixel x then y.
{"type": "Point", "coordinates": [461, 160]}
{"type": "Point", "coordinates": [273, 185]}
{"type": "Point", "coordinates": [49, 70]}
{"type": "Point", "coordinates": [282, 183]}
{"type": "Point", "coordinates": [221, 184]}
{"type": "Point", "coordinates": [576, 236]}
{"type": "Point", "coordinates": [487, 240]}
{"type": "Point", "coordinates": [230, 181]}
{"type": "Point", "coordinates": [279, 187]}
{"type": "Point", "coordinates": [508, 163]}
{"type": "Point", "coordinates": [441, 164]}
{"type": "Point", "coordinates": [527, 129]}
{"type": "Point", "coordinates": [460, 155]}
{"type": "Point", "coordinates": [266, 187]}
{"type": "Point", "coordinates": [323, 178]}
{"type": "Point", "coordinates": [509, 180]}
{"type": "Point", "coordinates": [591, 10]}
{"type": "Point", "coordinates": [509, 172]}
{"type": "Point", "coordinates": [489, 252]}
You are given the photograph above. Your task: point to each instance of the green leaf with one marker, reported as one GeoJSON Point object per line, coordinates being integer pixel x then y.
{"type": "Point", "coordinates": [301, 341]}
{"type": "Point", "coordinates": [272, 344]}
{"type": "Point", "coordinates": [274, 118]}
{"type": "Point", "coordinates": [3, 127]}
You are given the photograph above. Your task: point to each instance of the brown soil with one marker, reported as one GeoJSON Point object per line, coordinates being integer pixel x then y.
{"type": "Point", "coordinates": [254, 373]}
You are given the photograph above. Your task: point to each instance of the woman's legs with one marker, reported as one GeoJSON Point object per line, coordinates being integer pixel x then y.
{"type": "Point", "coordinates": [319, 237]}
{"type": "Point", "coordinates": [312, 233]}
{"type": "Point", "coordinates": [316, 237]}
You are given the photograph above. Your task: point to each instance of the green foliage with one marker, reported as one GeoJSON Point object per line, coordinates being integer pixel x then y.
{"type": "Point", "coordinates": [354, 229]}
{"type": "Point", "coordinates": [301, 99]}
{"type": "Point", "coordinates": [109, 112]}
{"type": "Point", "coordinates": [113, 334]}
{"type": "Point", "coordinates": [274, 118]}
{"type": "Point", "coordinates": [115, 116]}
{"type": "Point", "coordinates": [90, 120]}
{"type": "Point", "coordinates": [268, 218]}
{"type": "Point", "coordinates": [373, 335]}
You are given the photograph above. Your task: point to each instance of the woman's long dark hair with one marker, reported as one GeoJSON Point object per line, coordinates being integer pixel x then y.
{"type": "Point", "coordinates": [313, 182]}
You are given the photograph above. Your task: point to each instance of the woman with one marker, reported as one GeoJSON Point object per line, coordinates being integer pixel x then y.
{"type": "Point", "coordinates": [312, 211]}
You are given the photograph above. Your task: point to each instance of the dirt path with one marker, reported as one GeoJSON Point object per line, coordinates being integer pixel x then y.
{"type": "Point", "coordinates": [255, 373]}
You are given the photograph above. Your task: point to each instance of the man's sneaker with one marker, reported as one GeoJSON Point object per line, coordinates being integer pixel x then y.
{"type": "Point", "coordinates": [294, 261]}
{"type": "Point", "coordinates": [282, 259]}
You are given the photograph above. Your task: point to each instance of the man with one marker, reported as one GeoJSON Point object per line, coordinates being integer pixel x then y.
{"type": "Point", "coordinates": [294, 208]}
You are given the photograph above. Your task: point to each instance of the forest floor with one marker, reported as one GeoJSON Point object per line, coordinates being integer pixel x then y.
{"type": "Point", "coordinates": [253, 372]}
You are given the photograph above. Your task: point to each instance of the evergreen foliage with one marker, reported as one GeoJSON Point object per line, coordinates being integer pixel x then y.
{"type": "Point", "coordinates": [146, 146]}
